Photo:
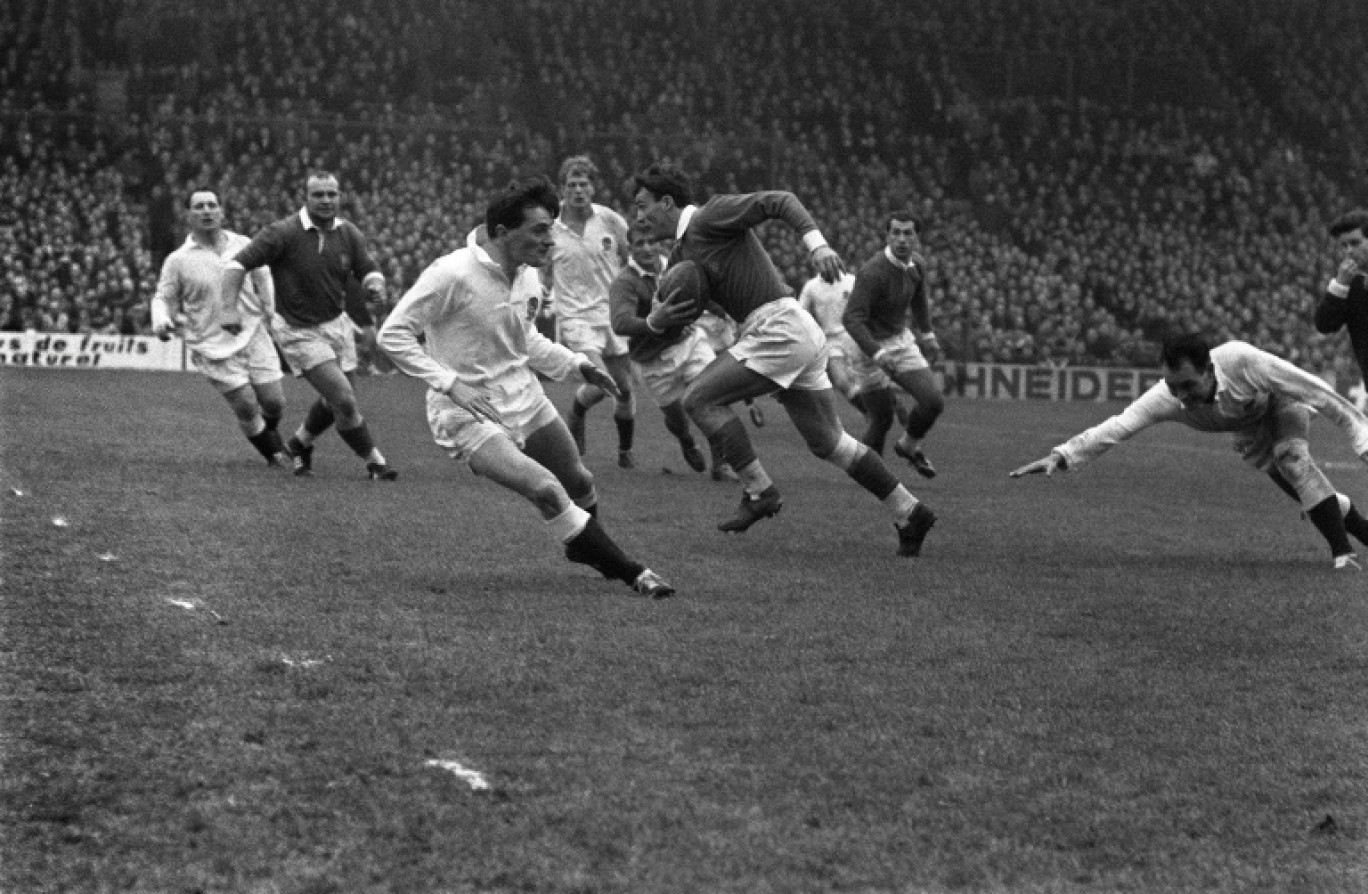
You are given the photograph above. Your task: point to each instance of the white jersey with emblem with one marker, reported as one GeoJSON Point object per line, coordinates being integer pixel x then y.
{"type": "Point", "coordinates": [826, 301]}
{"type": "Point", "coordinates": [191, 284]}
{"type": "Point", "coordinates": [1246, 380]}
{"type": "Point", "coordinates": [479, 329]}
{"type": "Point", "coordinates": [584, 265]}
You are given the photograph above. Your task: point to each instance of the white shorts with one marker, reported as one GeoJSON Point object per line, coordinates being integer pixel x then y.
{"type": "Point", "coordinates": [305, 347]}
{"type": "Point", "coordinates": [904, 353]}
{"type": "Point", "coordinates": [667, 376]}
{"type": "Point", "coordinates": [461, 434]}
{"type": "Point", "coordinates": [719, 331]}
{"type": "Point", "coordinates": [257, 363]}
{"type": "Point", "coordinates": [783, 343]}
{"type": "Point", "coordinates": [591, 338]}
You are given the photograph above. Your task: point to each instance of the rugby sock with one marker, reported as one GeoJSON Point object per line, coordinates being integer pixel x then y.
{"type": "Point", "coordinates": [754, 478]}
{"type": "Point", "coordinates": [626, 429]}
{"type": "Point", "coordinates": [733, 444]}
{"type": "Point", "coordinates": [919, 422]}
{"type": "Point", "coordinates": [568, 524]}
{"type": "Point", "coordinates": [588, 501]}
{"type": "Point", "coordinates": [272, 421]}
{"type": "Point", "coordinates": [1354, 522]}
{"type": "Point", "coordinates": [593, 547]}
{"type": "Point", "coordinates": [1328, 519]}
{"type": "Point", "coordinates": [316, 421]}
{"type": "Point", "coordinates": [871, 473]}
{"type": "Point", "coordinates": [362, 444]}
{"type": "Point", "coordinates": [267, 443]}
{"type": "Point", "coordinates": [901, 503]}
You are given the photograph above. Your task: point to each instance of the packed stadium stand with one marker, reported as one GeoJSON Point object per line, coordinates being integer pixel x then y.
{"type": "Point", "coordinates": [1091, 175]}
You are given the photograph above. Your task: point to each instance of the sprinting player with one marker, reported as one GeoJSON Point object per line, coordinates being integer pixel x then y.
{"type": "Point", "coordinates": [667, 358]}
{"type": "Point", "coordinates": [890, 286]}
{"type": "Point", "coordinates": [779, 349]}
{"type": "Point", "coordinates": [243, 365]}
{"type": "Point", "coordinates": [1265, 402]}
{"type": "Point", "coordinates": [1345, 302]}
{"type": "Point", "coordinates": [311, 255]}
{"type": "Point", "coordinates": [591, 249]}
{"type": "Point", "coordinates": [476, 309]}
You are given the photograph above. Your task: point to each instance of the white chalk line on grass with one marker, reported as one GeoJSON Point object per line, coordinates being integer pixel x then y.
{"type": "Point", "coordinates": [474, 778]}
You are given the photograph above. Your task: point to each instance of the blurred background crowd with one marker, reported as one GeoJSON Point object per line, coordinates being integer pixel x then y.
{"type": "Point", "coordinates": [1090, 175]}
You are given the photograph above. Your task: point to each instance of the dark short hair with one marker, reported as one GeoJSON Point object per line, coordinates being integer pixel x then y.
{"type": "Point", "coordinates": [509, 208]}
{"type": "Point", "coordinates": [663, 179]}
{"type": "Point", "coordinates": [1191, 347]}
{"type": "Point", "coordinates": [191, 194]}
{"type": "Point", "coordinates": [903, 214]}
{"type": "Point", "coordinates": [1350, 221]}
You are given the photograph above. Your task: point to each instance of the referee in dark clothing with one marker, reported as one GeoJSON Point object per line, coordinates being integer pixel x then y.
{"type": "Point", "coordinates": [312, 254]}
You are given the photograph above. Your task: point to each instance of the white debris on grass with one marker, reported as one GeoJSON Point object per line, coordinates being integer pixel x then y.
{"type": "Point", "coordinates": [183, 603]}
{"type": "Point", "coordinates": [107, 557]}
{"type": "Point", "coordinates": [16, 491]}
{"type": "Point", "coordinates": [304, 663]}
{"type": "Point", "coordinates": [473, 778]}
{"type": "Point", "coordinates": [60, 522]}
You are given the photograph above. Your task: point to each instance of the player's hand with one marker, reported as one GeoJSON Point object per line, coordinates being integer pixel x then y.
{"type": "Point", "coordinates": [1349, 268]}
{"type": "Point", "coordinates": [1046, 464]}
{"type": "Point", "coordinates": [595, 376]}
{"type": "Point", "coordinates": [930, 346]}
{"type": "Point", "coordinates": [473, 402]}
{"type": "Point", "coordinates": [674, 310]}
{"type": "Point", "coordinates": [883, 359]}
{"type": "Point", "coordinates": [827, 263]}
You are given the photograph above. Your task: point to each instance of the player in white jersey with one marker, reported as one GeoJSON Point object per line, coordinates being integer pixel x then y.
{"type": "Point", "coordinates": [476, 310]}
{"type": "Point", "coordinates": [590, 251]}
{"type": "Point", "coordinates": [826, 301]}
{"type": "Point", "coordinates": [1265, 402]}
{"type": "Point", "coordinates": [242, 366]}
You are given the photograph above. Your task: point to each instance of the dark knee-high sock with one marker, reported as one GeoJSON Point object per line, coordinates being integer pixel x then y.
{"type": "Point", "coordinates": [267, 442]}
{"type": "Point", "coordinates": [319, 418]}
{"type": "Point", "coordinates": [593, 547]}
{"type": "Point", "coordinates": [871, 473]}
{"type": "Point", "coordinates": [1328, 519]}
{"type": "Point", "coordinates": [358, 439]}
{"type": "Point", "coordinates": [1356, 524]}
{"type": "Point", "coordinates": [733, 444]}
{"type": "Point", "coordinates": [878, 410]}
{"type": "Point", "coordinates": [626, 430]}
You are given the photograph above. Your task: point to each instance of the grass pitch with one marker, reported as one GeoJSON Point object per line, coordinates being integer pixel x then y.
{"type": "Point", "coordinates": [1139, 677]}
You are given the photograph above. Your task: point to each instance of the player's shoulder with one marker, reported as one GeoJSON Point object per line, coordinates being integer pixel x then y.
{"type": "Point", "coordinates": [609, 214]}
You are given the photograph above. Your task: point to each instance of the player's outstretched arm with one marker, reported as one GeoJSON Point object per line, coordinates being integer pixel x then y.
{"type": "Point", "coordinates": [1046, 464]}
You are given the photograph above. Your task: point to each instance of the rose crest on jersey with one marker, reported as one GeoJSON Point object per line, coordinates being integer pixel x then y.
{"type": "Point", "coordinates": [607, 243]}
{"type": "Point", "coordinates": [533, 305]}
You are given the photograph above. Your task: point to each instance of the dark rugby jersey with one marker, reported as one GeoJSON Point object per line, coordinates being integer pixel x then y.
{"type": "Point", "coordinates": [310, 267]}
{"type": "Point", "coordinates": [883, 293]}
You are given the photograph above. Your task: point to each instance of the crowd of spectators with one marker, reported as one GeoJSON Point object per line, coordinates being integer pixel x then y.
{"type": "Point", "coordinates": [1066, 221]}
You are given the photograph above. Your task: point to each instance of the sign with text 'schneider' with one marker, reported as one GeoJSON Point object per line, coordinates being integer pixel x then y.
{"type": "Point", "coordinates": [66, 350]}
{"type": "Point", "coordinates": [992, 381]}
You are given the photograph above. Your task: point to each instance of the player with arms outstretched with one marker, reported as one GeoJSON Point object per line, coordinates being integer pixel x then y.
{"type": "Point", "coordinates": [1265, 402]}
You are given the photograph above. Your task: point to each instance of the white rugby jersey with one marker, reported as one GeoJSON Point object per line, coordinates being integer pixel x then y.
{"type": "Point", "coordinates": [191, 283]}
{"type": "Point", "coordinates": [583, 266]}
{"type": "Point", "coordinates": [479, 330]}
{"type": "Point", "coordinates": [826, 301]}
{"type": "Point", "coordinates": [1246, 379]}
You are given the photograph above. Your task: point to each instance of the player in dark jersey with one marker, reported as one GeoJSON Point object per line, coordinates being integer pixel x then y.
{"type": "Point", "coordinates": [779, 348]}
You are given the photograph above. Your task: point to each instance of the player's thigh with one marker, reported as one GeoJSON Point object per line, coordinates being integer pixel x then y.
{"type": "Point", "coordinates": [551, 446]}
{"type": "Point", "coordinates": [726, 381]}
{"type": "Point", "coordinates": [815, 416]}
{"type": "Point", "coordinates": [500, 460]}
{"type": "Point", "coordinates": [921, 384]}
{"type": "Point", "coordinates": [619, 366]}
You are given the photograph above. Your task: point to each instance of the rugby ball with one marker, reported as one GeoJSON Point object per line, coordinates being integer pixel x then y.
{"type": "Point", "coordinates": [687, 278]}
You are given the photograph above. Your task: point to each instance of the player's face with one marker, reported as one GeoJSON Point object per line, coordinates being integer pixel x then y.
{"type": "Point", "coordinates": [206, 215]}
{"type": "Point", "coordinates": [531, 242]}
{"type": "Point", "coordinates": [1189, 385]}
{"type": "Point", "coordinates": [903, 239]}
{"type": "Point", "coordinates": [645, 251]}
{"type": "Point", "coordinates": [321, 198]}
{"type": "Point", "coordinates": [1353, 246]}
{"type": "Point", "coordinates": [577, 191]}
{"type": "Point", "coordinates": [654, 213]}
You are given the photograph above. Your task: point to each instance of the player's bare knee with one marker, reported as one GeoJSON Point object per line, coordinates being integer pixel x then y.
{"type": "Point", "coordinates": [548, 495]}
{"type": "Point", "coordinates": [1293, 459]}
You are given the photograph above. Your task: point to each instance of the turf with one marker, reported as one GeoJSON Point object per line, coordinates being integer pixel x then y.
{"type": "Point", "coordinates": [1142, 676]}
